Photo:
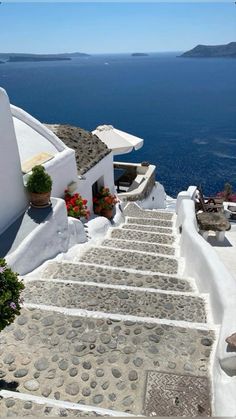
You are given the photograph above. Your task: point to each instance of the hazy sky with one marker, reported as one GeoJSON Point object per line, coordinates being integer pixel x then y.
{"type": "Point", "coordinates": [114, 27]}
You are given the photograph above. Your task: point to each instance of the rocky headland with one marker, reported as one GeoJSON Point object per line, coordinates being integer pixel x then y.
{"type": "Point", "coordinates": [212, 51]}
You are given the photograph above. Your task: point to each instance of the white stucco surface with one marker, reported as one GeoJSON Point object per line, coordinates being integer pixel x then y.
{"type": "Point", "coordinates": [44, 242]}
{"type": "Point", "coordinates": [203, 263]}
{"type": "Point", "coordinates": [30, 142]}
{"type": "Point", "coordinates": [102, 171]}
{"type": "Point", "coordinates": [13, 196]}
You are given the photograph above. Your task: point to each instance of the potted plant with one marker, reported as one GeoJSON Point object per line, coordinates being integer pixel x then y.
{"type": "Point", "coordinates": [39, 185]}
{"type": "Point", "coordinates": [76, 206]}
{"type": "Point", "coordinates": [104, 203]}
{"type": "Point", "coordinates": [10, 289]}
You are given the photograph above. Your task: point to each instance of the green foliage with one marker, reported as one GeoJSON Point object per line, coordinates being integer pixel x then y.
{"type": "Point", "coordinates": [39, 181]}
{"type": "Point", "coordinates": [10, 289]}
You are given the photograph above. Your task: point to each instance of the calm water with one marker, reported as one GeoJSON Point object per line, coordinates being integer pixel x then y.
{"type": "Point", "coordinates": [185, 109]}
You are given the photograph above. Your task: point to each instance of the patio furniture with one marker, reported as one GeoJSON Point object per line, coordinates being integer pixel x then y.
{"type": "Point", "coordinates": [213, 221]}
{"type": "Point", "coordinates": [208, 204]}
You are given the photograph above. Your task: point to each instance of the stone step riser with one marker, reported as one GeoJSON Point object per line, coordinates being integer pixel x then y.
{"type": "Point", "coordinates": [133, 210]}
{"type": "Point", "coordinates": [143, 236]}
{"type": "Point", "coordinates": [117, 301]}
{"type": "Point", "coordinates": [154, 229]}
{"type": "Point", "coordinates": [138, 246]}
{"type": "Point", "coordinates": [84, 272]}
{"type": "Point", "coordinates": [130, 259]}
{"type": "Point", "coordinates": [149, 222]}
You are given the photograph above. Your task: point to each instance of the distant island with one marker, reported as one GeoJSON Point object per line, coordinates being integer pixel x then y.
{"type": "Point", "coordinates": [139, 54]}
{"type": "Point", "coordinates": [212, 51]}
{"type": "Point", "coordinates": [20, 58]}
{"type": "Point", "coordinates": [23, 57]}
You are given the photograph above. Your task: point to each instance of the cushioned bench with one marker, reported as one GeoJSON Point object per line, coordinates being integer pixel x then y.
{"type": "Point", "coordinates": [213, 221]}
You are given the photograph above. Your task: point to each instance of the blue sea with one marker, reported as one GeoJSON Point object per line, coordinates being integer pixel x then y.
{"type": "Point", "coordinates": [185, 109]}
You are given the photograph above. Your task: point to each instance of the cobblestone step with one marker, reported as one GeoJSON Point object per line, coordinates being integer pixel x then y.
{"type": "Point", "coordinates": [130, 259]}
{"type": "Point", "coordinates": [153, 229]}
{"type": "Point", "coordinates": [103, 363]}
{"type": "Point", "coordinates": [116, 301]}
{"type": "Point", "coordinates": [150, 221]}
{"type": "Point", "coordinates": [12, 406]}
{"type": "Point", "coordinates": [93, 273]}
{"type": "Point", "coordinates": [143, 236]}
{"type": "Point", "coordinates": [133, 210]}
{"type": "Point", "coordinates": [143, 247]}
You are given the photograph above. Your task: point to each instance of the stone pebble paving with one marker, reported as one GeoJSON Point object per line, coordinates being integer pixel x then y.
{"type": "Point", "coordinates": [143, 247]}
{"type": "Point", "coordinates": [133, 210]}
{"type": "Point", "coordinates": [150, 221]}
{"type": "Point", "coordinates": [80, 272]}
{"type": "Point", "coordinates": [153, 229]}
{"type": "Point", "coordinates": [128, 259]}
{"type": "Point", "coordinates": [96, 361]}
{"type": "Point", "coordinates": [117, 301]}
{"type": "Point", "coordinates": [10, 407]}
{"type": "Point", "coordinates": [133, 235]}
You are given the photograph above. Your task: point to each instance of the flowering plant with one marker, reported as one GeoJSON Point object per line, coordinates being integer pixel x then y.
{"type": "Point", "coordinates": [104, 199]}
{"type": "Point", "coordinates": [10, 289]}
{"type": "Point", "coordinates": [227, 194]}
{"type": "Point", "coordinates": [76, 205]}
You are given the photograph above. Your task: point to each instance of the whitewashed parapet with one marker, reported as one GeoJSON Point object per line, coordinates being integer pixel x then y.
{"type": "Point", "coordinates": [212, 277]}
{"type": "Point", "coordinates": [44, 242]}
{"type": "Point", "coordinates": [144, 189]}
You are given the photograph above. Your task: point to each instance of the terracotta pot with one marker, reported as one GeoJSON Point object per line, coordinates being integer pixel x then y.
{"type": "Point", "coordinates": [40, 200]}
{"type": "Point", "coordinates": [97, 209]}
{"type": "Point", "coordinates": [108, 213]}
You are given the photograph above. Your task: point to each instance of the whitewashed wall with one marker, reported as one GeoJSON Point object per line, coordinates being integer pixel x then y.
{"type": "Point", "coordinates": [104, 170]}
{"type": "Point", "coordinates": [62, 168]}
{"type": "Point", "coordinates": [212, 277]}
{"type": "Point", "coordinates": [13, 197]}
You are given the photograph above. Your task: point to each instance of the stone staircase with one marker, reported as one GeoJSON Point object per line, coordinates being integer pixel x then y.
{"type": "Point", "coordinates": [119, 331]}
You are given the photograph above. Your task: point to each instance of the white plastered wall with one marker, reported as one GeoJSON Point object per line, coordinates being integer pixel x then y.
{"type": "Point", "coordinates": [212, 277]}
{"type": "Point", "coordinates": [13, 197]}
{"type": "Point", "coordinates": [62, 168]}
{"type": "Point", "coordinates": [103, 169]}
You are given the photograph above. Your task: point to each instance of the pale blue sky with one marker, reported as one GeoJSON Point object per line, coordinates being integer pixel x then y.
{"type": "Point", "coordinates": [114, 27]}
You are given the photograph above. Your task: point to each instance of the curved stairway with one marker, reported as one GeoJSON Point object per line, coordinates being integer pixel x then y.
{"type": "Point", "coordinates": [119, 331]}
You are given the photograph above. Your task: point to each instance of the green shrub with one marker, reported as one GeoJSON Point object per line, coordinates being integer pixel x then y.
{"type": "Point", "coordinates": [39, 181]}
{"type": "Point", "coordinates": [10, 289]}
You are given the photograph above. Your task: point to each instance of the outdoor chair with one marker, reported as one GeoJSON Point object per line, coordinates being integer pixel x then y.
{"type": "Point", "coordinates": [208, 204]}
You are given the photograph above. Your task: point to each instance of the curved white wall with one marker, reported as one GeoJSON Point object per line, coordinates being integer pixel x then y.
{"type": "Point", "coordinates": [13, 197]}
{"type": "Point", "coordinates": [202, 262]}
{"type": "Point", "coordinates": [62, 168]}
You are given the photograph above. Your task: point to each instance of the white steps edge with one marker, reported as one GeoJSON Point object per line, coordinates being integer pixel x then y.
{"type": "Point", "coordinates": [63, 404]}
{"type": "Point", "coordinates": [114, 286]}
{"type": "Point", "coordinates": [120, 317]}
{"type": "Point", "coordinates": [155, 219]}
